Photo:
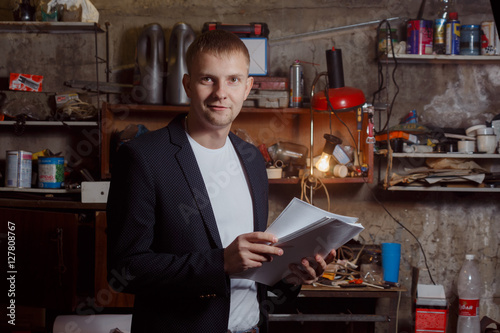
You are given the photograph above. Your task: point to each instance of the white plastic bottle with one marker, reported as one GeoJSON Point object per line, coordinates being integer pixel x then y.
{"type": "Point", "coordinates": [469, 292]}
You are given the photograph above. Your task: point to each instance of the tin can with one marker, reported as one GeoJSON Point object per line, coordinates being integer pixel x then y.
{"type": "Point", "coordinates": [386, 41]}
{"type": "Point", "coordinates": [470, 39]}
{"type": "Point", "coordinates": [489, 38]}
{"type": "Point", "coordinates": [296, 85]}
{"type": "Point", "coordinates": [50, 172]}
{"type": "Point", "coordinates": [18, 168]}
{"type": "Point", "coordinates": [419, 37]}
{"type": "Point", "coordinates": [453, 37]}
{"type": "Point", "coordinates": [440, 36]}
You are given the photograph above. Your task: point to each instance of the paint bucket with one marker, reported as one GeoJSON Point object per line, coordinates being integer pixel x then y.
{"type": "Point", "coordinates": [50, 172]}
{"type": "Point", "coordinates": [18, 168]}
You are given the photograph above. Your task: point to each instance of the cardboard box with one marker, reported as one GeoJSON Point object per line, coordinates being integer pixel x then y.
{"type": "Point", "coordinates": [431, 311]}
{"type": "Point", "coordinates": [95, 192]}
{"type": "Point", "coordinates": [25, 82]}
{"type": "Point", "coordinates": [257, 47]}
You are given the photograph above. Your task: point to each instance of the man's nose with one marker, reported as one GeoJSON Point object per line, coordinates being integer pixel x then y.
{"type": "Point", "coordinates": [220, 90]}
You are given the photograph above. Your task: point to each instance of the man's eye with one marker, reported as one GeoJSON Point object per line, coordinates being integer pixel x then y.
{"type": "Point", "coordinates": [207, 79]}
{"type": "Point", "coordinates": [234, 80]}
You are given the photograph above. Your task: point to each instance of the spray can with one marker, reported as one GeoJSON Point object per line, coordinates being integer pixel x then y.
{"type": "Point", "coordinates": [453, 35]}
{"type": "Point", "coordinates": [296, 85]}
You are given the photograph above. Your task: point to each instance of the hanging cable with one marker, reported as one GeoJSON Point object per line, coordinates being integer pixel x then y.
{"type": "Point", "coordinates": [363, 177]}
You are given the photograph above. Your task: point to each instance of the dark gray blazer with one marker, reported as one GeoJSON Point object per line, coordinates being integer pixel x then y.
{"type": "Point", "coordinates": [162, 234]}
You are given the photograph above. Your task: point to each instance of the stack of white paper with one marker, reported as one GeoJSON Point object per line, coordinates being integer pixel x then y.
{"type": "Point", "coordinates": [303, 230]}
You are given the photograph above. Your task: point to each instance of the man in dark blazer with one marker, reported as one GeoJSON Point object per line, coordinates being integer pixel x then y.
{"type": "Point", "coordinates": [168, 232]}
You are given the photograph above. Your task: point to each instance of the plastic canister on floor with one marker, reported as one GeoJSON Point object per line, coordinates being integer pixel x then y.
{"type": "Point", "coordinates": [149, 66]}
{"type": "Point", "coordinates": [182, 36]}
{"type": "Point", "coordinates": [51, 172]}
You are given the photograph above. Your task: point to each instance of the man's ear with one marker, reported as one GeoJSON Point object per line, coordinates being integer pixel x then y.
{"type": "Point", "coordinates": [248, 86]}
{"type": "Point", "coordinates": [186, 80]}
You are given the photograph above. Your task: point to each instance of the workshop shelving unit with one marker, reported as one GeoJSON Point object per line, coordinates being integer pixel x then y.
{"type": "Point", "coordinates": [492, 160]}
{"type": "Point", "coordinates": [266, 125]}
{"type": "Point", "coordinates": [59, 29]}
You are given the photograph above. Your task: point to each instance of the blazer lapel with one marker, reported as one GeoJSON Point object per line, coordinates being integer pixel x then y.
{"type": "Point", "coordinates": [187, 162]}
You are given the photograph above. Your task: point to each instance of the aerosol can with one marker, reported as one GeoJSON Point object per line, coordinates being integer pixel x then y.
{"type": "Point", "coordinates": [296, 85]}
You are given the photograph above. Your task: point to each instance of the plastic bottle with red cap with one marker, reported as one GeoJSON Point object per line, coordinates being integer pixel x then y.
{"type": "Point", "coordinates": [469, 292]}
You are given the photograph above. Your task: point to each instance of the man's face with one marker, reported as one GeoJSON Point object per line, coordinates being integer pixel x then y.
{"type": "Point", "coordinates": [217, 87]}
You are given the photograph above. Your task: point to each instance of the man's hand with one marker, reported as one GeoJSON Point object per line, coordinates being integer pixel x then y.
{"type": "Point", "coordinates": [310, 269]}
{"type": "Point", "coordinates": [249, 251]}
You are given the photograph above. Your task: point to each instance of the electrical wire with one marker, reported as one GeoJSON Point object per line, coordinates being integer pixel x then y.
{"type": "Point", "coordinates": [380, 75]}
{"type": "Point", "coordinates": [371, 190]}
{"type": "Point", "coordinates": [306, 178]}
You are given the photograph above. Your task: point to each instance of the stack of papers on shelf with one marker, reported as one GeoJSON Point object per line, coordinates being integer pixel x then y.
{"type": "Point", "coordinates": [303, 230]}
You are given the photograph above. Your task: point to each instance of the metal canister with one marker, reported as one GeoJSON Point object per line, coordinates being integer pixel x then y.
{"type": "Point", "coordinates": [386, 40]}
{"type": "Point", "coordinates": [419, 37]}
{"type": "Point", "coordinates": [51, 172]}
{"type": "Point", "coordinates": [296, 85]}
{"type": "Point", "coordinates": [489, 38]}
{"type": "Point", "coordinates": [18, 168]}
{"type": "Point", "coordinates": [453, 37]}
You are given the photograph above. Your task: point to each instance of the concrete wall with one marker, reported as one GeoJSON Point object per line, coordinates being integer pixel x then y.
{"type": "Point", "coordinates": [448, 225]}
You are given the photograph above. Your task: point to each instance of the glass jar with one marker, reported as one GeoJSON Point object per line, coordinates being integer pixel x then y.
{"type": "Point", "coordinates": [371, 266]}
{"type": "Point", "coordinates": [470, 39]}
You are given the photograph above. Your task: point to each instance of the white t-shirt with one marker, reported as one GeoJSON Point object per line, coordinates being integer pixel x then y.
{"type": "Point", "coordinates": [231, 202]}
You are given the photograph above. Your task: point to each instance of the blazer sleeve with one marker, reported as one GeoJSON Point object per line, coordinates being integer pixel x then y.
{"type": "Point", "coordinates": [133, 240]}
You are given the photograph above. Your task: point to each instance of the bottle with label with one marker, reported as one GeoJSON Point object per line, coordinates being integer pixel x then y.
{"type": "Point", "coordinates": [453, 34]}
{"type": "Point", "coordinates": [469, 291]}
{"type": "Point", "coordinates": [443, 10]}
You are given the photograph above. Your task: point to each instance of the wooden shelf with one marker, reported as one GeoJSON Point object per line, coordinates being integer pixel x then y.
{"type": "Point", "coordinates": [445, 155]}
{"type": "Point", "coordinates": [441, 59]}
{"type": "Point", "coordinates": [50, 123]}
{"type": "Point", "coordinates": [442, 189]}
{"type": "Point", "coordinates": [50, 27]}
{"type": "Point", "coordinates": [268, 125]}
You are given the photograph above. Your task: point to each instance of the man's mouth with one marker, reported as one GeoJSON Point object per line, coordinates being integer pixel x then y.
{"type": "Point", "coordinates": [217, 107]}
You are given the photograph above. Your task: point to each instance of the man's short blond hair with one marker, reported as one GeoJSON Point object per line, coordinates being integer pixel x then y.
{"type": "Point", "coordinates": [220, 43]}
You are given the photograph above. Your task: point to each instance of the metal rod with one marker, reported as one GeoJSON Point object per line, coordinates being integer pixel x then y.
{"type": "Point", "coordinates": [296, 37]}
{"type": "Point", "coordinates": [311, 147]}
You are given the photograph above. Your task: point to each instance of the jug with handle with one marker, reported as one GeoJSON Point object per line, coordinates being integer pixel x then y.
{"type": "Point", "coordinates": [149, 66]}
{"type": "Point", "coordinates": [182, 36]}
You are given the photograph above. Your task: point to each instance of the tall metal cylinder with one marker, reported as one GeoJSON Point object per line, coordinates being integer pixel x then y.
{"type": "Point", "coordinates": [296, 85]}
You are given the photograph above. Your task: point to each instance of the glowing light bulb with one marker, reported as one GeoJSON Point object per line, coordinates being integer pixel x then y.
{"type": "Point", "coordinates": [323, 163]}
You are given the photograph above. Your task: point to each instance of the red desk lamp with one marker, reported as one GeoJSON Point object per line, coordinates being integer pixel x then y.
{"type": "Point", "coordinates": [338, 98]}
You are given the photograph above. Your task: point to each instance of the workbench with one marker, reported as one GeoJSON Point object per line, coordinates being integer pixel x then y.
{"type": "Point", "coordinates": [329, 296]}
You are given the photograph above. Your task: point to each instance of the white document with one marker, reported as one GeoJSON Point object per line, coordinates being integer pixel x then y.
{"type": "Point", "coordinates": [303, 230]}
